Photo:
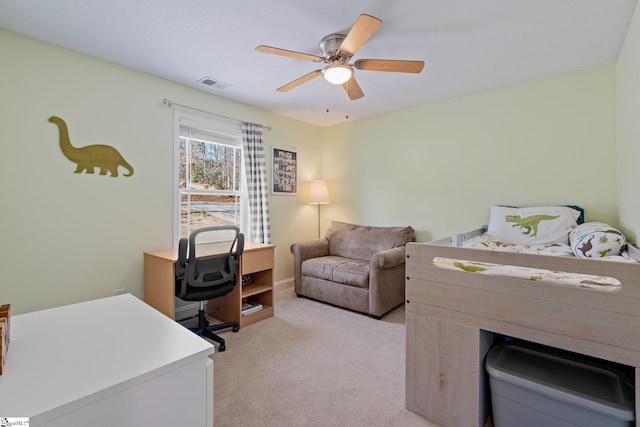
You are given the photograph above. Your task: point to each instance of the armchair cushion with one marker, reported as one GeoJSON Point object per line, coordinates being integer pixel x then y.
{"type": "Point", "coordinates": [351, 272]}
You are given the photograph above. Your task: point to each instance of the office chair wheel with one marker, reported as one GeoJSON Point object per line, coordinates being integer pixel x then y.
{"type": "Point", "coordinates": [235, 329]}
{"type": "Point", "coordinates": [222, 347]}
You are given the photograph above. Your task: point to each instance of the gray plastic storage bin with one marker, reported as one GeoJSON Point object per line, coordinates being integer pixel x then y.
{"type": "Point", "coordinates": [532, 388]}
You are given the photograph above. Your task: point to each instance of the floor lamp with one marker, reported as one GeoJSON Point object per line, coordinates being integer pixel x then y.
{"type": "Point", "coordinates": [318, 195]}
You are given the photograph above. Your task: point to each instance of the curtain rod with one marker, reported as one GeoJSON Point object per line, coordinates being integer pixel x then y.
{"type": "Point", "coordinates": [169, 103]}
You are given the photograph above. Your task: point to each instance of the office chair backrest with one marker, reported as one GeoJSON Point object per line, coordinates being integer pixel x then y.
{"type": "Point", "coordinates": [207, 272]}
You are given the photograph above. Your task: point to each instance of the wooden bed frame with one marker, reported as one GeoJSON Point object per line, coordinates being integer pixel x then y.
{"type": "Point", "coordinates": [453, 318]}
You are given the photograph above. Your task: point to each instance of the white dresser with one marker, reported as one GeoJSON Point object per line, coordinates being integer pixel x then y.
{"type": "Point", "coordinates": [112, 361]}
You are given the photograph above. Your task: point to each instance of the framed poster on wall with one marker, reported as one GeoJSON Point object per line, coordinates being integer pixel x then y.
{"type": "Point", "coordinates": [284, 172]}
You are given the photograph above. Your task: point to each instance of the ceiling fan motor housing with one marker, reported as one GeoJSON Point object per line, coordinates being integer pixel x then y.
{"type": "Point", "coordinates": [330, 46]}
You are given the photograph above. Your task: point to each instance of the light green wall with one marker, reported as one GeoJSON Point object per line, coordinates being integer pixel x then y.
{"type": "Point", "coordinates": [439, 167]}
{"type": "Point", "coordinates": [628, 130]}
{"type": "Point", "coordinates": [71, 237]}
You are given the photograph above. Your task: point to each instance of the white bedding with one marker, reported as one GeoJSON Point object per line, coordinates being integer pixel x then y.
{"type": "Point", "coordinates": [557, 249]}
{"type": "Point", "coordinates": [600, 283]}
{"type": "Point", "coordinates": [485, 242]}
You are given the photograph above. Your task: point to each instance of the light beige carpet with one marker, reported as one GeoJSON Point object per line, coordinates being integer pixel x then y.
{"type": "Point", "coordinates": [314, 365]}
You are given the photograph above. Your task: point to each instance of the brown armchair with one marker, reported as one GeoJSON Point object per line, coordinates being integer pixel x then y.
{"type": "Point", "coordinates": [356, 267]}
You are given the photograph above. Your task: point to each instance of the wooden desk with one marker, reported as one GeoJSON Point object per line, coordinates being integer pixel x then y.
{"type": "Point", "coordinates": [111, 361]}
{"type": "Point", "coordinates": [257, 261]}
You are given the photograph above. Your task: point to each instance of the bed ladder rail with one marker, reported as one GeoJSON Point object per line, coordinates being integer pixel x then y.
{"type": "Point", "coordinates": [633, 252]}
{"type": "Point", "coordinates": [463, 237]}
{"type": "Point", "coordinates": [445, 241]}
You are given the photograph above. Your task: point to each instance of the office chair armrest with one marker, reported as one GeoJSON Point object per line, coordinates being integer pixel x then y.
{"type": "Point", "coordinates": [239, 246]}
{"type": "Point", "coordinates": [182, 257]}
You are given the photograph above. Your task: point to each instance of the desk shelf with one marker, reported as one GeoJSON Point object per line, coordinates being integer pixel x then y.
{"type": "Point", "coordinates": [259, 266]}
{"type": "Point", "coordinates": [254, 289]}
{"type": "Point", "coordinates": [265, 313]}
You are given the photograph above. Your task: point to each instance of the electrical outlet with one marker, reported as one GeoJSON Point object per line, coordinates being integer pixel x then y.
{"type": "Point", "coordinates": [119, 291]}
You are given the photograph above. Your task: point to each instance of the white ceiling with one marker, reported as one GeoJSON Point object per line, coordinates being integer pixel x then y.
{"type": "Point", "coordinates": [468, 46]}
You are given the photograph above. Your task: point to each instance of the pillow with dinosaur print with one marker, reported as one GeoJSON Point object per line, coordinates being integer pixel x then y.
{"type": "Point", "coordinates": [533, 225]}
{"type": "Point", "coordinates": [596, 240]}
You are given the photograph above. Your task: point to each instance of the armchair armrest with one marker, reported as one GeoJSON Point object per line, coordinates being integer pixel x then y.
{"type": "Point", "coordinates": [303, 251]}
{"type": "Point", "coordinates": [386, 280]}
{"type": "Point", "coordinates": [388, 259]}
{"type": "Point", "coordinates": [310, 249]}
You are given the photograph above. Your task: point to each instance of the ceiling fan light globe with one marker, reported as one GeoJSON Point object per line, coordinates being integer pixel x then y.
{"type": "Point", "coordinates": [337, 74]}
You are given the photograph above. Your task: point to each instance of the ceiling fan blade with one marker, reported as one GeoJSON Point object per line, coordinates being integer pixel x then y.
{"type": "Point", "coordinates": [364, 27]}
{"type": "Point", "coordinates": [353, 89]}
{"type": "Point", "coordinates": [299, 81]}
{"type": "Point", "coordinates": [389, 65]}
{"type": "Point", "coordinates": [288, 53]}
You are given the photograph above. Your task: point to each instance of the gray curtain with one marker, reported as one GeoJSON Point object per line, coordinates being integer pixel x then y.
{"type": "Point", "coordinates": [256, 171]}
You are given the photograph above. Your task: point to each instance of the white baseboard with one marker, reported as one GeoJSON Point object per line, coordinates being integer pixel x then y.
{"type": "Point", "coordinates": [283, 284]}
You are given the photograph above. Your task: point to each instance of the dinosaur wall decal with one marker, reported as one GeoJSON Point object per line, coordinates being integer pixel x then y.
{"type": "Point", "coordinates": [87, 158]}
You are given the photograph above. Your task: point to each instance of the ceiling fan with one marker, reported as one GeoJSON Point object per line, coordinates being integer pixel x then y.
{"type": "Point", "coordinates": [337, 51]}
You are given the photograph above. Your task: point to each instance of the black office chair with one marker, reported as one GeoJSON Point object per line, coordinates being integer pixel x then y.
{"type": "Point", "coordinates": [202, 279]}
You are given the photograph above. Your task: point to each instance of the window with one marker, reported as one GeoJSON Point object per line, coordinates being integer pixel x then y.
{"type": "Point", "coordinates": [209, 176]}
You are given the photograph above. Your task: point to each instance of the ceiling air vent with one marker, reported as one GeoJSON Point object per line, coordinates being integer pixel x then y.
{"type": "Point", "coordinates": [213, 83]}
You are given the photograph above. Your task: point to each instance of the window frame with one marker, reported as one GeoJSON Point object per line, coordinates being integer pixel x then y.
{"type": "Point", "coordinates": [229, 134]}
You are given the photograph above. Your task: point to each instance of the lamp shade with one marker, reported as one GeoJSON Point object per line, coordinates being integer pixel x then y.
{"type": "Point", "coordinates": [318, 192]}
